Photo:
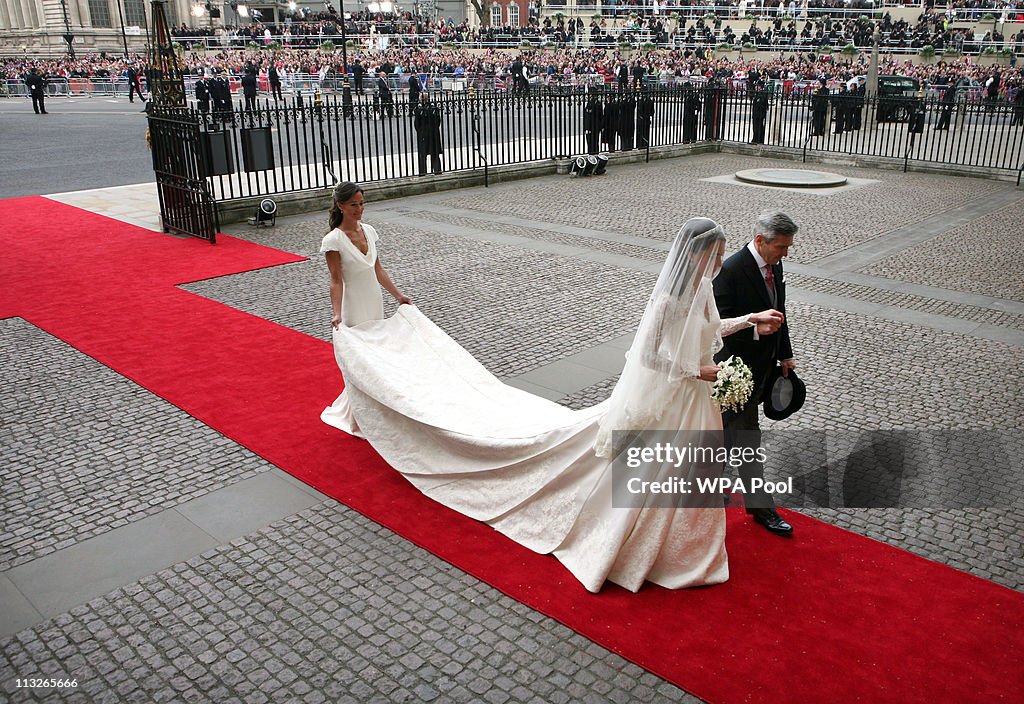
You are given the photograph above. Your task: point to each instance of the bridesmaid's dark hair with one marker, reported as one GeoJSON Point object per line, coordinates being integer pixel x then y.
{"type": "Point", "coordinates": [342, 193]}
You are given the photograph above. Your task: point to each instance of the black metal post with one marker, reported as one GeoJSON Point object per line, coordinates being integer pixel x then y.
{"type": "Point", "coordinates": [68, 36]}
{"type": "Point", "coordinates": [124, 35]}
{"type": "Point", "coordinates": [344, 45]}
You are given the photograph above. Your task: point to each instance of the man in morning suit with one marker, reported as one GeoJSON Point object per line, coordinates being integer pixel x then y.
{"type": "Point", "coordinates": [751, 281]}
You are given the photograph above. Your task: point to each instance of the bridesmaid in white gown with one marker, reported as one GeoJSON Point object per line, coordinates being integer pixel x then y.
{"type": "Point", "coordinates": [536, 471]}
{"type": "Point", "coordinates": [350, 248]}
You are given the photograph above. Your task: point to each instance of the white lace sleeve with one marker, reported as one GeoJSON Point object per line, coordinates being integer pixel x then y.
{"type": "Point", "coordinates": [732, 325]}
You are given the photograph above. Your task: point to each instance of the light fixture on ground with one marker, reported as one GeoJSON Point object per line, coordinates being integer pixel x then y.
{"type": "Point", "coordinates": [266, 214]}
{"type": "Point", "coordinates": [587, 165]}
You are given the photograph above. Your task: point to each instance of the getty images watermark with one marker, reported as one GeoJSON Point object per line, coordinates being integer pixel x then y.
{"type": "Point", "coordinates": [671, 464]}
{"type": "Point", "coordinates": [928, 469]}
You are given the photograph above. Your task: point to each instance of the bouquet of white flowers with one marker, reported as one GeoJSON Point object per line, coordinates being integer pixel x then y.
{"type": "Point", "coordinates": [733, 386]}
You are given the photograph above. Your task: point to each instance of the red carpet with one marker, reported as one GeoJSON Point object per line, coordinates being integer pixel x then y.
{"type": "Point", "coordinates": [827, 616]}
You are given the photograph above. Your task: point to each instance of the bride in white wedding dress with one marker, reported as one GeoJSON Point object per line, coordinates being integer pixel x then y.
{"type": "Point", "coordinates": [536, 471]}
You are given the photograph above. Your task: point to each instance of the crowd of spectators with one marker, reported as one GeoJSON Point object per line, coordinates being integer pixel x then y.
{"type": "Point", "coordinates": [589, 66]}
{"type": "Point", "coordinates": [754, 26]}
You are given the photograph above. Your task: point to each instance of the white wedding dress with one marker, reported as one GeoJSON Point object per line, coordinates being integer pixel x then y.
{"type": "Point", "coordinates": [362, 301]}
{"type": "Point", "coordinates": [528, 466]}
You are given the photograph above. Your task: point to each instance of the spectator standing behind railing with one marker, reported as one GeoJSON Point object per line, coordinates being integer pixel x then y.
{"type": "Point", "coordinates": [37, 89]}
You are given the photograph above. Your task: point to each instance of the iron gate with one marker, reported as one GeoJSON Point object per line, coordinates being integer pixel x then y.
{"type": "Point", "coordinates": [186, 206]}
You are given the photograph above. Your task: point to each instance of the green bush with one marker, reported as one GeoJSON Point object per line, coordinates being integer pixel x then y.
{"type": "Point", "coordinates": [327, 47]}
{"type": "Point", "coordinates": [927, 51]}
{"type": "Point", "coordinates": [849, 50]}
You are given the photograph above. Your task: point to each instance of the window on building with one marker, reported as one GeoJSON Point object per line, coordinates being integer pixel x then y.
{"type": "Point", "coordinates": [135, 13]}
{"type": "Point", "coordinates": [99, 13]}
{"type": "Point", "coordinates": [495, 15]}
{"type": "Point", "coordinates": [513, 14]}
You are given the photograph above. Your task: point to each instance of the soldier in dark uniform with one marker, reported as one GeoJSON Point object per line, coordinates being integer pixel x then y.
{"type": "Point", "coordinates": [819, 110]}
{"type": "Point", "coordinates": [947, 101]}
{"type": "Point", "coordinates": [220, 91]}
{"type": "Point", "coordinates": [610, 124]}
{"type": "Point", "coordinates": [1017, 117]}
{"type": "Point", "coordinates": [840, 107]}
{"type": "Point", "coordinates": [37, 89]}
{"type": "Point", "coordinates": [638, 75]}
{"type": "Point", "coordinates": [249, 88]}
{"type": "Point", "coordinates": [202, 88]}
{"type": "Point", "coordinates": [691, 111]}
{"type": "Point", "coordinates": [644, 120]}
{"type": "Point", "coordinates": [274, 81]}
{"type": "Point", "coordinates": [627, 121]}
{"type": "Point", "coordinates": [516, 72]}
{"type": "Point", "coordinates": [713, 109]}
{"type": "Point", "coordinates": [593, 112]}
{"type": "Point", "coordinates": [357, 75]}
{"type": "Point", "coordinates": [857, 105]}
{"type": "Point", "coordinates": [760, 101]}
{"type": "Point", "coordinates": [623, 77]}
{"type": "Point", "coordinates": [427, 121]}
{"type": "Point", "coordinates": [414, 89]}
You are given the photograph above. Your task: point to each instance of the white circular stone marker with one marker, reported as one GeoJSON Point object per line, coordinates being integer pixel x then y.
{"type": "Point", "coordinates": [791, 178]}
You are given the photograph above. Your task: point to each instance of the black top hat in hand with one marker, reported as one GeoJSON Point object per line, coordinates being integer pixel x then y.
{"type": "Point", "coordinates": [783, 395]}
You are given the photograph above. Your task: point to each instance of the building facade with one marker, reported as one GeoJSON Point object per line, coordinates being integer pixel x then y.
{"type": "Point", "coordinates": [39, 26]}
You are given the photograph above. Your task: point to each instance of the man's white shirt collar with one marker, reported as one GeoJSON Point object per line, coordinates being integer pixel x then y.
{"type": "Point", "coordinates": [761, 263]}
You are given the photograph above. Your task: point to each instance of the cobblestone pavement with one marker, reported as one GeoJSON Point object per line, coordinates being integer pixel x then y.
{"type": "Point", "coordinates": [325, 605]}
{"type": "Point", "coordinates": [956, 261]}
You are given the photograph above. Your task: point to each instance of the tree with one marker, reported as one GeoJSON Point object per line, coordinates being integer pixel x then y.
{"type": "Point", "coordinates": [482, 12]}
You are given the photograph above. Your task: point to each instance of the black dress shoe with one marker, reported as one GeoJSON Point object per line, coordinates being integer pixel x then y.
{"type": "Point", "coordinates": [770, 519]}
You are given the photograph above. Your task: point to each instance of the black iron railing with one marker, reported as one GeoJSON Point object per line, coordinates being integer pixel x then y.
{"type": "Point", "coordinates": [314, 142]}
{"type": "Point", "coordinates": [186, 205]}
